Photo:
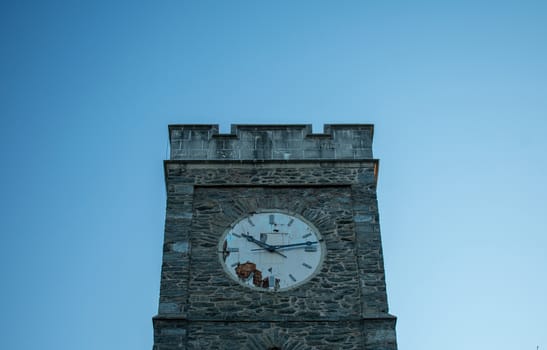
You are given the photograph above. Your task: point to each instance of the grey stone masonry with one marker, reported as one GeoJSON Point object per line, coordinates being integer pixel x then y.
{"type": "Point", "coordinates": [214, 180]}
{"type": "Point", "coordinates": [338, 141]}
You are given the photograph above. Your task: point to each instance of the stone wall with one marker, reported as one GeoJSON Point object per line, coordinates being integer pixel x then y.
{"type": "Point", "coordinates": [340, 335]}
{"type": "Point", "coordinates": [331, 295]}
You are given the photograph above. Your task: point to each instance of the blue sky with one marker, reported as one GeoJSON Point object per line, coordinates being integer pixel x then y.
{"type": "Point", "coordinates": [457, 91]}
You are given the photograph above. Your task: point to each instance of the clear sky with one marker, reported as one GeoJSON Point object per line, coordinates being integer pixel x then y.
{"type": "Point", "coordinates": [457, 91]}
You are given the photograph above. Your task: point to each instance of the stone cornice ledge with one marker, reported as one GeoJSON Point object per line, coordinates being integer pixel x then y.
{"type": "Point", "coordinates": [367, 318]}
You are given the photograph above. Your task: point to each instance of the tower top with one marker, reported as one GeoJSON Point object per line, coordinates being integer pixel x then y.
{"type": "Point", "coordinates": [270, 141]}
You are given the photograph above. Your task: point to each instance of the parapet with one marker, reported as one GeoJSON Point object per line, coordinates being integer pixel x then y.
{"type": "Point", "coordinates": [273, 141]}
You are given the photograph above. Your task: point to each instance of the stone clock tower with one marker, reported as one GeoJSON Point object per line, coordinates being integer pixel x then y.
{"type": "Point", "coordinates": [272, 241]}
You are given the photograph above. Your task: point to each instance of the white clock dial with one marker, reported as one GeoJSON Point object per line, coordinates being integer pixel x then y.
{"type": "Point", "coordinates": [271, 251]}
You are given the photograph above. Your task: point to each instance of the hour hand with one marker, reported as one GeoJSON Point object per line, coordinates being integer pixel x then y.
{"type": "Point", "coordinates": [256, 241]}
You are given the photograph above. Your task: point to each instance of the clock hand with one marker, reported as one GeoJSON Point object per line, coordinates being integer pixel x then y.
{"type": "Point", "coordinates": [265, 246]}
{"type": "Point", "coordinates": [257, 242]}
{"type": "Point", "coordinates": [307, 243]}
{"type": "Point", "coordinates": [294, 245]}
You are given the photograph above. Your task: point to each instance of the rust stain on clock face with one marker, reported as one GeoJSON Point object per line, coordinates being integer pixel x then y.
{"type": "Point", "coordinates": [244, 272]}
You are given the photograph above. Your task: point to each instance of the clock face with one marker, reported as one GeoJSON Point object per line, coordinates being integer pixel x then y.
{"type": "Point", "coordinates": [271, 251]}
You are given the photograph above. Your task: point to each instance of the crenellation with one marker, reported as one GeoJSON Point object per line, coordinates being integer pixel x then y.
{"type": "Point", "coordinates": [270, 142]}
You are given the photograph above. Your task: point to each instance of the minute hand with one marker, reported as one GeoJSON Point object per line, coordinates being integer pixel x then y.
{"type": "Point", "coordinates": [282, 246]}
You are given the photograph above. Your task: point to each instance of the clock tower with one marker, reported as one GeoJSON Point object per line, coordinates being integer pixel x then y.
{"type": "Point", "coordinates": [272, 241]}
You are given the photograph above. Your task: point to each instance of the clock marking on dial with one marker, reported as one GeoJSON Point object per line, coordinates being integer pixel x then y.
{"type": "Point", "coordinates": [292, 277]}
{"type": "Point", "coordinates": [250, 222]}
{"type": "Point", "coordinates": [306, 265]}
{"type": "Point", "coordinates": [272, 219]}
{"type": "Point", "coordinates": [306, 235]}
{"type": "Point", "coordinates": [236, 235]}
{"type": "Point", "coordinates": [290, 222]}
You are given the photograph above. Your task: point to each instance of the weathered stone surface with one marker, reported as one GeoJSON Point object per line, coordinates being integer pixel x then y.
{"type": "Point", "coordinates": [372, 334]}
{"type": "Point", "coordinates": [326, 296]}
{"type": "Point", "coordinates": [329, 179]}
{"type": "Point", "coordinates": [283, 142]}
